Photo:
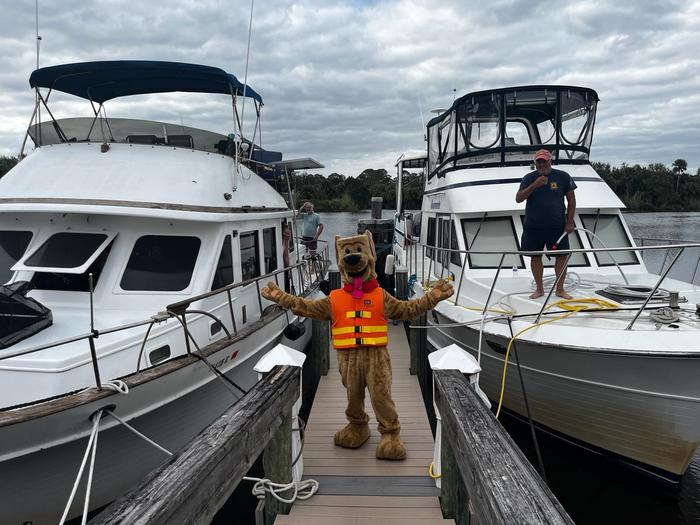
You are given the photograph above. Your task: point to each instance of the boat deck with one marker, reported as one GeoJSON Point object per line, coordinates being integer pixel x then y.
{"type": "Point", "coordinates": [355, 487]}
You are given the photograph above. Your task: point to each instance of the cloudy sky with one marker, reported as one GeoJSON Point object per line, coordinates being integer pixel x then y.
{"type": "Point", "coordinates": [346, 82]}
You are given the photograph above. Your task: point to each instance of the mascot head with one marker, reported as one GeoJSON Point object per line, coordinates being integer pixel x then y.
{"type": "Point", "coordinates": [356, 257]}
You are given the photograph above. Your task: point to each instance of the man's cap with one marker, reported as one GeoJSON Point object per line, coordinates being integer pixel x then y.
{"type": "Point", "coordinates": [542, 154]}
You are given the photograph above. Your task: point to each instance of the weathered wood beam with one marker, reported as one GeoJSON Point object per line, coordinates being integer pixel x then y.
{"type": "Point", "coordinates": [501, 485]}
{"type": "Point", "coordinates": [192, 486]}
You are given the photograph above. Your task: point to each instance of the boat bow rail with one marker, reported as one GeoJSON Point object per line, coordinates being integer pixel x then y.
{"type": "Point", "coordinates": [432, 255]}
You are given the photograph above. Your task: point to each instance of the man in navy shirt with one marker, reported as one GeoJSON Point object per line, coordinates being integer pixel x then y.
{"type": "Point", "coordinates": [546, 218]}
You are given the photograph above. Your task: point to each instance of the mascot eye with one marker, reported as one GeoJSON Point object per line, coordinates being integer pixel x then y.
{"type": "Point", "coordinates": [347, 251]}
{"type": "Point", "coordinates": [359, 250]}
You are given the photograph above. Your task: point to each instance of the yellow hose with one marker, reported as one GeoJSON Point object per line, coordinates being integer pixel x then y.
{"type": "Point", "coordinates": [431, 473]}
{"type": "Point", "coordinates": [572, 306]}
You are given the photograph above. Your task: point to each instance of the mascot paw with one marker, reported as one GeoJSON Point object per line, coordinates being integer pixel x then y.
{"type": "Point", "coordinates": [391, 447]}
{"type": "Point", "coordinates": [352, 435]}
{"type": "Point", "coordinates": [442, 290]}
{"type": "Point", "coordinates": [271, 292]}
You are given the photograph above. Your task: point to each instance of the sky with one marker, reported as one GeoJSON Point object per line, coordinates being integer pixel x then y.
{"type": "Point", "coordinates": [352, 83]}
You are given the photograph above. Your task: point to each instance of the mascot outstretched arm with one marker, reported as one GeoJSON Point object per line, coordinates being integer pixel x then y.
{"type": "Point", "coordinates": [359, 313]}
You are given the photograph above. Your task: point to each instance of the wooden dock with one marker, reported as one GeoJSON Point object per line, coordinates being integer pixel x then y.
{"type": "Point", "coordinates": [354, 487]}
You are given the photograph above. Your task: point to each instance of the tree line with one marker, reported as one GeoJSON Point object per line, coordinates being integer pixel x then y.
{"type": "Point", "coordinates": [654, 187]}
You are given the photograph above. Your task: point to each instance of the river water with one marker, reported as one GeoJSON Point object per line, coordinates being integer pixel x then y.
{"type": "Point", "coordinates": [593, 489]}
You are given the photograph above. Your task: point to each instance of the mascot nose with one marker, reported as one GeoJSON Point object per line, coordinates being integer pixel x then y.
{"type": "Point", "coordinates": [352, 259]}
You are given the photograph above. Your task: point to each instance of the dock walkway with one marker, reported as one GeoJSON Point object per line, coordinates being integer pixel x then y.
{"type": "Point", "coordinates": [355, 488]}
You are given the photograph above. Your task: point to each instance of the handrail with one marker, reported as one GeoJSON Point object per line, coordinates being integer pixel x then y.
{"type": "Point", "coordinates": [180, 306]}
{"type": "Point", "coordinates": [568, 253]}
{"type": "Point", "coordinates": [174, 310]}
{"type": "Point", "coordinates": [564, 252]}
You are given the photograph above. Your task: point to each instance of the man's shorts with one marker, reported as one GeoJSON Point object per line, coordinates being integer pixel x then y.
{"type": "Point", "coordinates": [310, 243]}
{"type": "Point", "coordinates": [536, 239]}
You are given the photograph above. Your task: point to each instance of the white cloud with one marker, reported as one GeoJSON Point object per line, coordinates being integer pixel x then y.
{"type": "Point", "coordinates": [344, 81]}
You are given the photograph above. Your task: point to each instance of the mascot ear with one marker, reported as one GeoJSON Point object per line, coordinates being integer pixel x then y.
{"type": "Point", "coordinates": [371, 244]}
{"type": "Point", "coordinates": [337, 248]}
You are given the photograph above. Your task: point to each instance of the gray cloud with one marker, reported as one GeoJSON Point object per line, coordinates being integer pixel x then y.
{"type": "Point", "coordinates": [345, 81]}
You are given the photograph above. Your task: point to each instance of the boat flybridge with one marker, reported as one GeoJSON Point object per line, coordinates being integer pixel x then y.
{"type": "Point", "coordinates": [615, 369]}
{"type": "Point", "coordinates": [132, 253]}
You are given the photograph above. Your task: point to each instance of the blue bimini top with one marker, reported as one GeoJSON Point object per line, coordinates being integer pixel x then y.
{"type": "Point", "coordinates": [105, 80]}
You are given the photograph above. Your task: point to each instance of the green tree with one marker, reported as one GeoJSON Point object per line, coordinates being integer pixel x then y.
{"type": "Point", "coordinates": [679, 167]}
{"type": "Point", "coordinates": [6, 164]}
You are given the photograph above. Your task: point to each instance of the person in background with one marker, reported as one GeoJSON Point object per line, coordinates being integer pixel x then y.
{"type": "Point", "coordinates": [311, 227]}
{"type": "Point", "coordinates": [546, 217]}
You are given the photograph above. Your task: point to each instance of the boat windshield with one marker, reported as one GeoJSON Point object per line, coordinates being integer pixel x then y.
{"type": "Point", "coordinates": [506, 126]}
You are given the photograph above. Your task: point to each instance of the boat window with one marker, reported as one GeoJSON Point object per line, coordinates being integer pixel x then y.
{"type": "Point", "coordinates": [577, 259]}
{"type": "Point", "coordinates": [443, 241]}
{"type": "Point", "coordinates": [478, 128]}
{"type": "Point", "coordinates": [224, 268]}
{"type": "Point", "coordinates": [517, 134]}
{"type": "Point", "coordinates": [455, 257]}
{"type": "Point", "coordinates": [430, 241]}
{"type": "Point", "coordinates": [433, 150]}
{"type": "Point", "coordinates": [491, 234]}
{"type": "Point", "coordinates": [161, 263]}
{"type": "Point", "coordinates": [250, 255]}
{"type": "Point", "coordinates": [546, 131]}
{"type": "Point", "coordinates": [65, 252]}
{"type": "Point", "coordinates": [13, 243]}
{"type": "Point", "coordinates": [577, 116]}
{"type": "Point", "coordinates": [609, 233]}
{"type": "Point", "coordinates": [270, 249]}
{"type": "Point", "coordinates": [72, 282]}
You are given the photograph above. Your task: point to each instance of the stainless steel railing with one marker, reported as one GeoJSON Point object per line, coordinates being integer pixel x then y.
{"type": "Point", "coordinates": [316, 267]}
{"type": "Point", "coordinates": [440, 255]}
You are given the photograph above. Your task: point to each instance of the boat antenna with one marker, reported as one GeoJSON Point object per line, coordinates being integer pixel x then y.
{"type": "Point", "coordinates": [38, 37]}
{"type": "Point", "coordinates": [422, 118]}
{"type": "Point", "coordinates": [247, 59]}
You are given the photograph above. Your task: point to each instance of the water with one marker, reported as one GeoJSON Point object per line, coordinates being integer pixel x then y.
{"type": "Point", "coordinates": [593, 489]}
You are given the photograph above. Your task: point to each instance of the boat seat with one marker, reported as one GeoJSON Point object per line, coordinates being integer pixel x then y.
{"type": "Point", "coordinates": [181, 141]}
{"type": "Point", "coordinates": [142, 139]}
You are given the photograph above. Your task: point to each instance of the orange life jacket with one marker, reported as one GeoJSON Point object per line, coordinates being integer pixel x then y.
{"type": "Point", "coordinates": [358, 322]}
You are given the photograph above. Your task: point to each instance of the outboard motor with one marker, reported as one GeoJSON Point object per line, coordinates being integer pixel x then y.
{"type": "Point", "coordinates": [20, 316]}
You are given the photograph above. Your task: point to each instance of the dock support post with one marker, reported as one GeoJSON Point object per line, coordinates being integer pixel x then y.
{"type": "Point", "coordinates": [277, 464]}
{"type": "Point", "coordinates": [454, 500]}
{"type": "Point", "coordinates": [416, 339]}
{"type": "Point", "coordinates": [320, 341]}
{"type": "Point", "coordinates": [334, 277]}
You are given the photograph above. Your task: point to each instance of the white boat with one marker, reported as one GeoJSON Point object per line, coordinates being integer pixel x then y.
{"type": "Point", "coordinates": [131, 234]}
{"type": "Point", "coordinates": [621, 378]}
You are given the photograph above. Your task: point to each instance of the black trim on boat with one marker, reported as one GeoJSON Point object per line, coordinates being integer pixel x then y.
{"type": "Point", "coordinates": [494, 181]}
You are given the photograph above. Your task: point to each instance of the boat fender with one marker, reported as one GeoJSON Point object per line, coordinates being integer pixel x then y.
{"type": "Point", "coordinates": [294, 330]}
{"type": "Point", "coordinates": [389, 265]}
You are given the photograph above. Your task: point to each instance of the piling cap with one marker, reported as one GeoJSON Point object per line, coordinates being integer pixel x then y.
{"type": "Point", "coordinates": [453, 358]}
{"type": "Point", "coordinates": [279, 355]}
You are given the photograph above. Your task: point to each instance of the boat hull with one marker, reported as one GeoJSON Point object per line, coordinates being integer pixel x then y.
{"type": "Point", "coordinates": [35, 485]}
{"type": "Point", "coordinates": [612, 402]}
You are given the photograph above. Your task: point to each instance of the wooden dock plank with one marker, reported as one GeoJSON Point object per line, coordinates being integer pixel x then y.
{"type": "Point", "coordinates": [355, 487]}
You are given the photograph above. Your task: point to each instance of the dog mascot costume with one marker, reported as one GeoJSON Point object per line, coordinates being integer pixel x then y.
{"type": "Point", "coordinates": [359, 313]}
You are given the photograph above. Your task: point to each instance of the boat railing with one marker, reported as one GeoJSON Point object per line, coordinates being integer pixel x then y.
{"type": "Point", "coordinates": [439, 254]}
{"type": "Point", "coordinates": [656, 261]}
{"type": "Point", "coordinates": [309, 272]}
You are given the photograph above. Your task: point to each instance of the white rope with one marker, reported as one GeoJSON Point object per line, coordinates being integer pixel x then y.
{"type": "Point", "coordinates": [88, 486]}
{"type": "Point", "coordinates": [664, 315]}
{"type": "Point", "coordinates": [303, 490]}
{"type": "Point", "coordinates": [88, 449]}
{"type": "Point", "coordinates": [117, 385]}
{"type": "Point", "coordinates": [139, 434]}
